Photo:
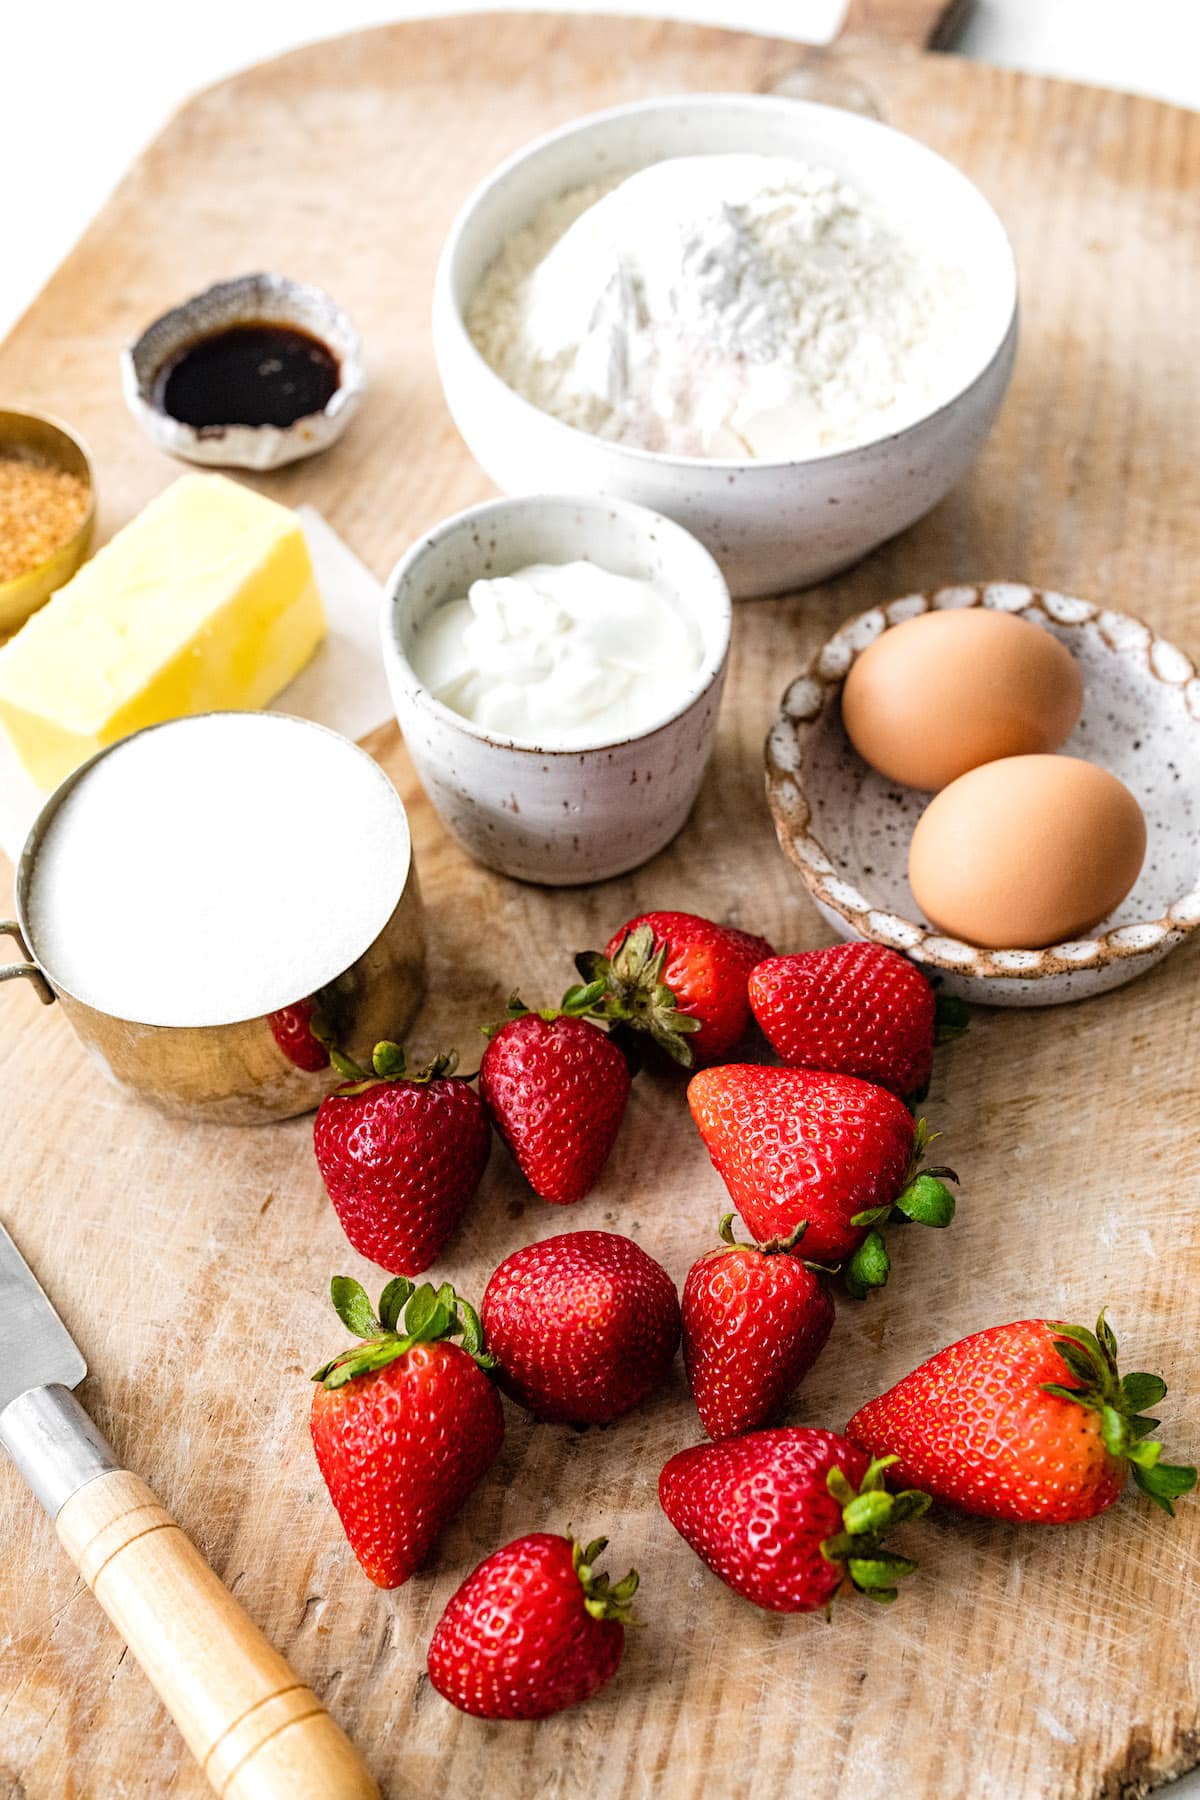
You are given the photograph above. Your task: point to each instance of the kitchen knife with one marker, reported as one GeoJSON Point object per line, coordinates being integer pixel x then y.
{"type": "Point", "coordinates": [257, 1732]}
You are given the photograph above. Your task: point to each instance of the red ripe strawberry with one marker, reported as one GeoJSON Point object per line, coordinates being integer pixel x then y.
{"type": "Point", "coordinates": [556, 1086]}
{"type": "Point", "coordinates": [1030, 1422]}
{"type": "Point", "coordinates": [679, 978]}
{"type": "Point", "coordinates": [786, 1518]}
{"type": "Point", "coordinates": [795, 1145]}
{"type": "Point", "coordinates": [295, 1030]}
{"type": "Point", "coordinates": [405, 1424]}
{"type": "Point", "coordinates": [853, 1009]}
{"type": "Point", "coordinates": [533, 1630]}
{"type": "Point", "coordinates": [401, 1156]}
{"type": "Point", "coordinates": [755, 1319]}
{"type": "Point", "coordinates": [582, 1326]}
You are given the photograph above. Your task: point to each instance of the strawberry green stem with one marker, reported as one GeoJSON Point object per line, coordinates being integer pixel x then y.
{"type": "Point", "coordinates": [773, 1247]}
{"type": "Point", "coordinates": [430, 1315]}
{"type": "Point", "coordinates": [633, 995]}
{"type": "Point", "coordinates": [1091, 1357]}
{"type": "Point", "coordinates": [388, 1063]}
{"type": "Point", "coordinates": [951, 1018]}
{"type": "Point", "coordinates": [924, 1199]}
{"type": "Point", "coordinates": [602, 1598]}
{"type": "Point", "coordinates": [869, 1513]}
{"type": "Point", "coordinates": [577, 1003]}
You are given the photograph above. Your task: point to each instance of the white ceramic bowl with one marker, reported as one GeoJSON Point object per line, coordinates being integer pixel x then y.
{"type": "Point", "coordinates": [771, 525]}
{"type": "Point", "coordinates": [847, 828]}
{"type": "Point", "coordinates": [551, 815]}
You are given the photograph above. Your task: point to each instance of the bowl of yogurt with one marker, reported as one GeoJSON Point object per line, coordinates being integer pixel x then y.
{"type": "Point", "coordinates": [788, 327]}
{"type": "Point", "coordinates": [557, 663]}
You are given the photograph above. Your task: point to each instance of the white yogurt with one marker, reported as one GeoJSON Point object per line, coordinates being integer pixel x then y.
{"type": "Point", "coordinates": [560, 655]}
{"type": "Point", "coordinates": [216, 869]}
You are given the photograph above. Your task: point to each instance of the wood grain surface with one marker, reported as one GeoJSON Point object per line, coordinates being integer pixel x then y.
{"type": "Point", "coordinates": [254, 1729]}
{"type": "Point", "coordinates": [193, 1264]}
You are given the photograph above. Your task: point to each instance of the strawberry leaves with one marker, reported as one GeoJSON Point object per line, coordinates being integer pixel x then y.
{"type": "Point", "coordinates": [868, 1514]}
{"type": "Point", "coordinates": [951, 1018]}
{"type": "Point", "coordinates": [927, 1200]}
{"type": "Point", "coordinates": [630, 991]}
{"type": "Point", "coordinates": [870, 1265]}
{"type": "Point", "coordinates": [352, 1307]}
{"type": "Point", "coordinates": [430, 1315]}
{"type": "Point", "coordinates": [388, 1063]}
{"type": "Point", "coordinates": [583, 1001]}
{"type": "Point", "coordinates": [1091, 1357]}
{"type": "Point", "coordinates": [603, 1599]}
{"type": "Point", "coordinates": [778, 1246]}
{"type": "Point", "coordinates": [924, 1200]}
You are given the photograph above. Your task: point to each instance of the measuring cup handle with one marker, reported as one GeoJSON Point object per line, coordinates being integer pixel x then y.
{"type": "Point", "coordinates": [27, 970]}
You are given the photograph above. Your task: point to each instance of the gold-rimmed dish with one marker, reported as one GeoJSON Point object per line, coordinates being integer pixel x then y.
{"type": "Point", "coordinates": [41, 440]}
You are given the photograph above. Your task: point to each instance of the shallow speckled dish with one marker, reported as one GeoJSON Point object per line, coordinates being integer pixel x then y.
{"type": "Point", "coordinates": [847, 828]}
{"type": "Point", "coordinates": [246, 300]}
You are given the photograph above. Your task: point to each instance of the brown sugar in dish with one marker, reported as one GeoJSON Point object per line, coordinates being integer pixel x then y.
{"type": "Point", "coordinates": [41, 508]}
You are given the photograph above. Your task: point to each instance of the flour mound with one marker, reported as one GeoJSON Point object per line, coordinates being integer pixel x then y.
{"type": "Point", "coordinates": [723, 306]}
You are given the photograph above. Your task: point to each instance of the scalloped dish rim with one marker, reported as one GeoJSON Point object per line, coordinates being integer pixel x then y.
{"type": "Point", "coordinates": [792, 811]}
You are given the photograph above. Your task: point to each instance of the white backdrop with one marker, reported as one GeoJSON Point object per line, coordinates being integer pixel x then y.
{"type": "Point", "coordinates": [84, 83]}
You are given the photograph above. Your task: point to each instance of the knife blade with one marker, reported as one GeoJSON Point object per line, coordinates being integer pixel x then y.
{"type": "Point", "coordinates": [256, 1730]}
{"type": "Point", "coordinates": [36, 1349]}
{"type": "Point", "coordinates": [42, 1425]}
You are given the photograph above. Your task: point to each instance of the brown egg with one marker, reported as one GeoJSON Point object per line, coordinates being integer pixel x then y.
{"type": "Point", "coordinates": [1025, 852]}
{"type": "Point", "coordinates": [949, 690]}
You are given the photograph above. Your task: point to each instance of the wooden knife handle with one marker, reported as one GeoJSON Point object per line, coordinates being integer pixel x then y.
{"type": "Point", "coordinates": [255, 1729]}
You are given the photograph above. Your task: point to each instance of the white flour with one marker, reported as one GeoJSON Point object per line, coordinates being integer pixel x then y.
{"type": "Point", "coordinates": [217, 869]}
{"type": "Point", "coordinates": [725, 306]}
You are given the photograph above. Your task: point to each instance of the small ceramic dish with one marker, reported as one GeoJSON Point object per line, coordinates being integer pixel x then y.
{"type": "Point", "coordinates": [247, 300]}
{"type": "Point", "coordinates": [557, 816]}
{"type": "Point", "coordinates": [847, 828]}
{"type": "Point", "coordinates": [771, 525]}
{"type": "Point", "coordinates": [33, 437]}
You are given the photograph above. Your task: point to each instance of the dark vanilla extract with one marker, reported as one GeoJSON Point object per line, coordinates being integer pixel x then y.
{"type": "Point", "coordinates": [249, 375]}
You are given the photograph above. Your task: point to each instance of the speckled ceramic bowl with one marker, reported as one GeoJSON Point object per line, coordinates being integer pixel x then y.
{"type": "Point", "coordinates": [771, 525]}
{"type": "Point", "coordinates": [847, 828]}
{"type": "Point", "coordinates": [552, 815]}
{"type": "Point", "coordinates": [246, 300]}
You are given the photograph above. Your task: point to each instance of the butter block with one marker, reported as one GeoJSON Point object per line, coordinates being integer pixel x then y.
{"type": "Point", "coordinates": [205, 602]}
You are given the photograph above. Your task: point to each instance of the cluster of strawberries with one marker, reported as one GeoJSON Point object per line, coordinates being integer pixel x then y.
{"type": "Point", "coordinates": [1026, 1422]}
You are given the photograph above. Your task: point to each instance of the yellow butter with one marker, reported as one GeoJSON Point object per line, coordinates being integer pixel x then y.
{"type": "Point", "coordinates": [203, 603]}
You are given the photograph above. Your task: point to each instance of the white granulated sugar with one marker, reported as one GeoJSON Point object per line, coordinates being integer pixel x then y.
{"type": "Point", "coordinates": [217, 869]}
{"type": "Point", "coordinates": [723, 306]}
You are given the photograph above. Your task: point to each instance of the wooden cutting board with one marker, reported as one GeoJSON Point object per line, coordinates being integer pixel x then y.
{"type": "Point", "coordinates": [192, 1264]}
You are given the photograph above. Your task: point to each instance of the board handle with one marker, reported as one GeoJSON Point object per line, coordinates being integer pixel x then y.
{"type": "Point", "coordinates": [252, 1725]}
{"type": "Point", "coordinates": [923, 24]}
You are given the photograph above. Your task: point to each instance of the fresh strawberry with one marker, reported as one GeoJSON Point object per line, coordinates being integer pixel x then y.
{"type": "Point", "coordinates": [582, 1326]}
{"type": "Point", "coordinates": [556, 1086]}
{"type": "Point", "coordinates": [853, 1009]}
{"type": "Point", "coordinates": [1029, 1422]}
{"type": "Point", "coordinates": [297, 1031]}
{"type": "Point", "coordinates": [404, 1424]}
{"type": "Point", "coordinates": [401, 1156]}
{"type": "Point", "coordinates": [755, 1319]}
{"type": "Point", "coordinates": [679, 978]}
{"type": "Point", "coordinates": [795, 1145]}
{"type": "Point", "coordinates": [533, 1630]}
{"type": "Point", "coordinates": [787, 1518]}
